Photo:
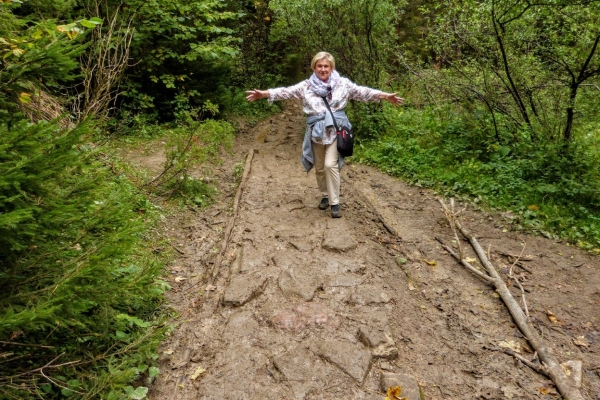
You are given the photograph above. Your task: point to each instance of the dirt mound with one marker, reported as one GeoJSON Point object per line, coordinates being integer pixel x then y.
{"type": "Point", "coordinates": [310, 307]}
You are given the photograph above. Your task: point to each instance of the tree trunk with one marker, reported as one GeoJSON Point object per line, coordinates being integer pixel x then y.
{"type": "Point", "coordinates": [570, 113]}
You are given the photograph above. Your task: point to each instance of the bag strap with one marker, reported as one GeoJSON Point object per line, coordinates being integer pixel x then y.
{"type": "Point", "coordinates": [332, 116]}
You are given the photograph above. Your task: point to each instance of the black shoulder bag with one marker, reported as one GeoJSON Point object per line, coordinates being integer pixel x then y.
{"type": "Point", "coordinates": [345, 137]}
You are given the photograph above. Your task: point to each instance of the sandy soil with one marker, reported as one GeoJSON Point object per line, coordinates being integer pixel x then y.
{"type": "Point", "coordinates": [309, 307]}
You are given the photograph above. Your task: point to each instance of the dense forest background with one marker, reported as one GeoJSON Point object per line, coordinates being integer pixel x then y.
{"type": "Point", "coordinates": [501, 108]}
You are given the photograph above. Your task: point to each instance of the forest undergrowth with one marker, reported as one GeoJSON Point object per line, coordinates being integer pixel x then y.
{"type": "Point", "coordinates": [539, 186]}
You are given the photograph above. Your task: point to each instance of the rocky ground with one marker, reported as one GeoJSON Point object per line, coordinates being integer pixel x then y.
{"type": "Point", "coordinates": [309, 307]}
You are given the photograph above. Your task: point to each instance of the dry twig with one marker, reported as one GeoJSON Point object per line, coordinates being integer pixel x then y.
{"type": "Point", "coordinates": [518, 260]}
{"type": "Point", "coordinates": [26, 344]}
{"type": "Point", "coordinates": [372, 208]}
{"type": "Point", "coordinates": [511, 352]}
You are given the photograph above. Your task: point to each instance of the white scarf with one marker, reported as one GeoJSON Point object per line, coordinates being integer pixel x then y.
{"type": "Point", "coordinates": [321, 88]}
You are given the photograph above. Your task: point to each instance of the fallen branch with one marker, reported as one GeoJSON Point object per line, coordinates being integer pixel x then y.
{"type": "Point", "coordinates": [231, 224]}
{"type": "Point", "coordinates": [550, 366]}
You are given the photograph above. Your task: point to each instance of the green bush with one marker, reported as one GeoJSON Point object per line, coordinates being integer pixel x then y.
{"type": "Point", "coordinates": [80, 298]}
{"type": "Point", "coordinates": [552, 190]}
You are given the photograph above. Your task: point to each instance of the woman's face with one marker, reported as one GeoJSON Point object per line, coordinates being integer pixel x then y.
{"type": "Point", "coordinates": [323, 70]}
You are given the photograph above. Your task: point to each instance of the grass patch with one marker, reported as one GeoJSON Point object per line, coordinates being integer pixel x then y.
{"type": "Point", "coordinates": [188, 154]}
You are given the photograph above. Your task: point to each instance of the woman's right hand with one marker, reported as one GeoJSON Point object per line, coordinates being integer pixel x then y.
{"type": "Point", "coordinates": [256, 94]}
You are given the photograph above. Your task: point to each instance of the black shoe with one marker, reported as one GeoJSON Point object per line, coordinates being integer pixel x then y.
{"type": "Point", "coordinates": [324, 204]}
{"type": "Point", "coordinates": [335, 211]}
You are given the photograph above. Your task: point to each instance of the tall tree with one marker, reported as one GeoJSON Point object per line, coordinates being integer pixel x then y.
{"type": "Point", "coordinates": [525, 62]}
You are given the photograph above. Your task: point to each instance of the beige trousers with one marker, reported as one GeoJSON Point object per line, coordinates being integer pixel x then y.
{"type": "Point", "coordinates": [327, 171]}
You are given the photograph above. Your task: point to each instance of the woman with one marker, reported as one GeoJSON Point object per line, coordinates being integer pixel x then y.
{"type": "Point", "coordinates": [320, 147]}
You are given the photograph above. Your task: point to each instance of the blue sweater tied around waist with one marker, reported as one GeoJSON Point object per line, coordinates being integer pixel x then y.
{"type": "Point", "coordinates": [315, 128]}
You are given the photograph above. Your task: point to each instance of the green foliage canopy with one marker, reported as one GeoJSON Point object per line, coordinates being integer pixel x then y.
{"type": "Point", "coordinates": [33, 57]}
{"type": "Point", "coordinates": [179, 48]}
{"type": "Point", "coordinates": [360, 33]}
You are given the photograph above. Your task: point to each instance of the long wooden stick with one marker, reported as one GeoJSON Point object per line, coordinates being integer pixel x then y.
{"type": "Point", "coordinates": [231, 224]}
{"type": "Point", "coordinates": [550, 365]}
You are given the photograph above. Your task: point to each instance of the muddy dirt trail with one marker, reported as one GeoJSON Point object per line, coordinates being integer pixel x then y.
{"type": "Point", "coordinates": [309, 307]}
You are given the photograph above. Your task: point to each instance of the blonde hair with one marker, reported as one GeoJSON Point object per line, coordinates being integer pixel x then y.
{"type": "Point", "coordinates": [323, 55]}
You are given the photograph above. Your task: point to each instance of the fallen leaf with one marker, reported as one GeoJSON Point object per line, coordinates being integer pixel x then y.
{"type": "Point", "coordinates": [433, 263]}
{"type": "Point", "coordinates": [210, 288]}
{"type": "Point", "coordinates": [168, 351]}
{"type": "Point", "coordinates": [179, 279]}
{"type": "Point", "coordinates": [470, 259]}
{"type": "Point", "coordinates": [410, 286]}
{"type": "Point", "coordinates": [510, 344]}
{"type": "Point", "coordinates": [552, 317]}
{"type": "Point", "coordinates": [543, 390]}
{"type": "Point", "coordinates": [580, 341]}
{"type": "Point", "coordinates": [394, 393]}
{"type": "Point", "coordinates": [199, 371]}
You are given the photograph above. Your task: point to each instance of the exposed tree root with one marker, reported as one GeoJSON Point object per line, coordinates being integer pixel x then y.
{"type": "Point", "coordinates": [236, 204]}
{"type": "Point", "coordinates": [372, 208]}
